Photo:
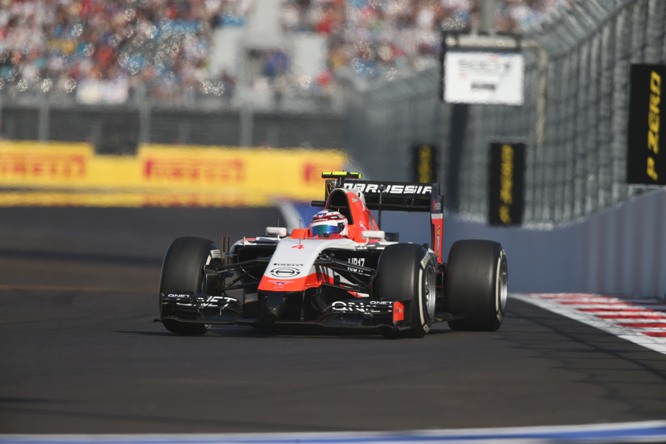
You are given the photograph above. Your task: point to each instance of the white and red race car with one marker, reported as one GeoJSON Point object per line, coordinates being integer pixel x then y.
{"type": "Point", "coordinates": [342, 272]}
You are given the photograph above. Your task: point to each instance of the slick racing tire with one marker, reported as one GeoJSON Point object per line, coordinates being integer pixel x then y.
{"type": "Point", "coordinates": [404, 271]}
{"type": "Point", "coordinates": [182, 271]}
{"type": "Point", "coordinates": [476, 285]}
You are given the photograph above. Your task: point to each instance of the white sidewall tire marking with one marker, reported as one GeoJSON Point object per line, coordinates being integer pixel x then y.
{"type": "Point", "coordinates": [500, 290]}
{"type": "Point", "coordinates": [420, 297]}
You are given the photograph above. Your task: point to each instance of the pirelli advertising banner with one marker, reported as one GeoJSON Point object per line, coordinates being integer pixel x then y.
{"type": "Point", "coordinates": [33, 173]}
{"type": "Point", "coordinates": [506, 183]}
{"type": "Point", "coordinates": [646, 146]}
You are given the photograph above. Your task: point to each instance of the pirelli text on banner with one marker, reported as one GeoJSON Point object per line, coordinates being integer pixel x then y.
{"type": "Point", "coordinates": [506, 183]}
{"type": "Point", "coordinates": [646, 145]}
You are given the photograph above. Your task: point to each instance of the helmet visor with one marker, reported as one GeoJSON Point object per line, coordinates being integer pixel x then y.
{"type": "Point", "coordinates": [326, 230]}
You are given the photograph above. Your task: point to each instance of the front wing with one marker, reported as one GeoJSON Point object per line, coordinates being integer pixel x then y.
{"type": "Point", "coordinates": [274, 309]}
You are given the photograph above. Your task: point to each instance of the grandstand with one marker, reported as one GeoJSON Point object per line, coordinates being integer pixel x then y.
{"type": "Point", "coordinates": [176, 52]}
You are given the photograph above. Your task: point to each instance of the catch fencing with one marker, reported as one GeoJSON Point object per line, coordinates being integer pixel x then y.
{"type": "Point", "coordinates": [574, 119]}
{"type": "Point", "coordinates": [121, 129]}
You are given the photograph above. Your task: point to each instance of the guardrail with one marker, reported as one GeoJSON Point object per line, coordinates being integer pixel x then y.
{"type": "Point", "coordinates": [618, 251]}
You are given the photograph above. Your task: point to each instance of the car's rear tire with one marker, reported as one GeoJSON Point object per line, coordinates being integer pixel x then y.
{"type": "Point", "coordinates": [476, 285]}
{"type": "Point", "coordinates": [182, 272]}
{"type": "Point", "coordinates": [408, 271]}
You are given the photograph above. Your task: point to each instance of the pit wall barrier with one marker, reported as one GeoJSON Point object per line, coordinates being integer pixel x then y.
{"type": "Point", "coordinates": [620, 251]}
{"type": "Point", "coordinates": [34, 173]}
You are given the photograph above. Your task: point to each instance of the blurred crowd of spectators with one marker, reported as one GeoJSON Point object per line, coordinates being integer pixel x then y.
{"type": "Point", "coordinates": [108, 51]}
{"type": "Point", "coordinates": [383, 37]}
{"type": "Point", "coordinates": [103, 51]}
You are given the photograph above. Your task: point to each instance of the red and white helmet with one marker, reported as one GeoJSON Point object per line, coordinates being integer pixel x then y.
{"type": "Point", "coordinates": [327, 222]}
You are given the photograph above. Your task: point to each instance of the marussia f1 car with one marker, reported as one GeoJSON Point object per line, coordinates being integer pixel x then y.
{"type": "Point", "coordinates": [356, 278]}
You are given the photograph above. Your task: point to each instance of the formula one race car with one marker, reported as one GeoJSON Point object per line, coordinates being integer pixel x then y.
{"type": "Point", "coordinates": [342, 272]}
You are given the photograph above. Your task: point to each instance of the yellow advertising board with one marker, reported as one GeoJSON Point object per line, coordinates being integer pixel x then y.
{"type": "Point", "coordinates": [33, 173]}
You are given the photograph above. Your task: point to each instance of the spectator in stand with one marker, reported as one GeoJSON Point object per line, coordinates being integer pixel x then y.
{"type": "Point", "coordinates": [231, 13]}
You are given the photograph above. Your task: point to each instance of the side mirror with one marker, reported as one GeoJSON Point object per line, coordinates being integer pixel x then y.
{"type": "Point", "coordinates": [373, 234]}
{"type": "Point", "coordinates": [276, 231]}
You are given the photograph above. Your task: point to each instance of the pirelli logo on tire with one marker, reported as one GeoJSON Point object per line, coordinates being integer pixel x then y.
{"type": "Point", "coordinates": [646, 148]}
{"type": "Point", "coordinates": [505, 183]}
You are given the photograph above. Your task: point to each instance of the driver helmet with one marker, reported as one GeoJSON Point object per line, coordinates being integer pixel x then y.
{"type": "Point", "coordinates": [327, 222]}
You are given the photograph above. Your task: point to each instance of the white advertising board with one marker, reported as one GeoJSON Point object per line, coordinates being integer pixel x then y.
{"type": "Point", "coordinates": [483, 77]}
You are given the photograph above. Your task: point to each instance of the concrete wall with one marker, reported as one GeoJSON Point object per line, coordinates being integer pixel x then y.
{"type": "Point", "coordinates": [619, 251]}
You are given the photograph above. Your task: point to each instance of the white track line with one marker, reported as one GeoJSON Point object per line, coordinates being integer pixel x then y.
{"type": "Point", "coordinates": [645, 431]}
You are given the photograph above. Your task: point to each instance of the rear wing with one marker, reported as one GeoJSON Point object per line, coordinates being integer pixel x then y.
{"type": "Point", "coordinates": [394, 196]}
{"type": "Point", "coordinates": [385, 195]}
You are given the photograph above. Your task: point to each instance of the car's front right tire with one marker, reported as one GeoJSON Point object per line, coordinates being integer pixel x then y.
{"type": "Point", "coordinates": [183, 272]}
{"type": "Point", "coordinates": [408, 271]}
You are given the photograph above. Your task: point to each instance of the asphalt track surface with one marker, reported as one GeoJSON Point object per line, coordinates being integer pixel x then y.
{"type": "Point", "coordinates": [80, 351]}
